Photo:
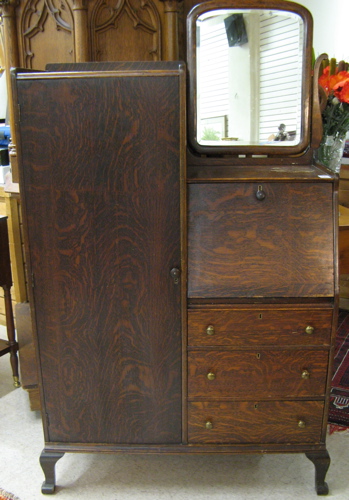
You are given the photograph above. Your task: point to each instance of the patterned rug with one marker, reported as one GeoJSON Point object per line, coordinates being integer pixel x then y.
{"type": "Point", "coordinates": [4, 495]}
{"type": "Point", "coordinates": [339, 400]}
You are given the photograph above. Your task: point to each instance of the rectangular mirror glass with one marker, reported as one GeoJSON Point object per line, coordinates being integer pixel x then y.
{"type": "Point", "coordinates": [250, 67]}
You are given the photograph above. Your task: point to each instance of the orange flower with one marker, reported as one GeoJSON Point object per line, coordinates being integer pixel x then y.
{"type": "Point", "coordinates": [331, 82]}
{"type": "Point", "coordinates": [341, 90]}
{"type": "Point", "coordinates": [324, 79]}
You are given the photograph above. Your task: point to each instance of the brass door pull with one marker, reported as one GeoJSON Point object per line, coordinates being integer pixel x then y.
{"type": "Point", "coordinates": [301, 424]}
{"type": "Point", "coordinates": [305, 374]}
{"type": "Point", "coordinates": [210, 330]}
{"type": "Point", "coordinates": [209, 425]}
{"type": "Point", "coordinates": [309, 329]}
{"type": "Point", "coordinates": [211, 376]}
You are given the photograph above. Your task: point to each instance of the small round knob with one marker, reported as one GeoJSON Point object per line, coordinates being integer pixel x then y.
{"type": "Point", "coordinates": [209, 425]}
{"type": "Point", "coordinates": [211, 376]}
{"type": "Point", "coordinates": [260, 194]}
{"type": "Point", "coordinates": [175, 274]}
{"type": "Point", "coordinates": [309, 329]}
{"type": "Point", "coordinates": [210, 330]}
{"type": "Point", "coordinates": [305, 374]}
{"type": "Point", "coordinates": [301, 424]}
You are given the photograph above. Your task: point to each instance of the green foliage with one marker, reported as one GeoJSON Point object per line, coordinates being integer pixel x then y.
{"type": "Point", "coordinates": [210, 134]}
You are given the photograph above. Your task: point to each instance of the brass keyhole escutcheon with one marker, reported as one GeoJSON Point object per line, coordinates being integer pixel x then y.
{"type": "Point", "coordinates": [301, 424]}
{"type": "Point", "coordinates": [211, 376]}
{"type": "Point", "coordinates": [209, 425]}
{"type": "Point", "coordinates": [210, 330]}
{"type": "Point", "coordinates": [305, 374]}
{"type": "Point", "coordinates": [309, 330]}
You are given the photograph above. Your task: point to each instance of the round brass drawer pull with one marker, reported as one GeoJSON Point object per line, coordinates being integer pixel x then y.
{"type": "Point", "coordinates": [309, 329]}
{"type": "Point", "coordinates": [211, 376]}
{"type": "Point", "coordinates": [210, 330]}
{"type": "Point", "coordinates": [301, 424]}
{"type": "Point", "coordinates": [305, 374]}
{"type": "Point", "coordinates": [209, 425]}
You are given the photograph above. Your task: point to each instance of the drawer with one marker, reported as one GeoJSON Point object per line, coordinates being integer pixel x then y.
{"type": "Point", "coordinates": [256, 374]}
{"type": "Point", "coordinates": [246, 327]}
{"type": "Point", "coordinates": [255, 422]}
{"type": "Point", "coordinates": [239, 246]}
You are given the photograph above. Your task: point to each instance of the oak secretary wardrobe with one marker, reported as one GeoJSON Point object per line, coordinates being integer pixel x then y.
{"type": "Point", "coordinates": [184, 297]}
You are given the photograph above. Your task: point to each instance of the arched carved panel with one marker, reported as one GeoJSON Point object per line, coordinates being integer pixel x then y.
{"type": "Point", "coordinates": [46, 33]}
{"type": "Point", "coordinates": [125, 30]}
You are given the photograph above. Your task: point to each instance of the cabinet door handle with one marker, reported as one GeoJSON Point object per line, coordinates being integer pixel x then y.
{"type": "Point", "coordinates": [260, 194]}
{"type": "Point", "coordinates": [175, 275]}
{"type": "Point", "coordinates": [305, 374]}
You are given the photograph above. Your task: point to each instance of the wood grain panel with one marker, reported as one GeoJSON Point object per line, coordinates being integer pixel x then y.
{"type": "Point", "coordinates": [240, 246]}
{"type": "Point", "coordinates": [102, 204]}
{"type": "Point", "coordinates": [258, 326]}
{"type": "Point", "coordinates": [256, 374]}
{"type": "Point", "coordinates": [255, 422]}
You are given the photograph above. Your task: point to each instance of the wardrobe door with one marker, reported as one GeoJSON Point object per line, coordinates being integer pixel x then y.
{"type": "Point", "coordinates": [102, 175]}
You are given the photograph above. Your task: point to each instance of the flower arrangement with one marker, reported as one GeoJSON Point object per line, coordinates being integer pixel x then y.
{"type": "Point", "coordinates": [334, 87]}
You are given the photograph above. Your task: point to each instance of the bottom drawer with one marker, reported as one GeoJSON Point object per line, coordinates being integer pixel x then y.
{"type": "Point", "coordinates": [255, 422]}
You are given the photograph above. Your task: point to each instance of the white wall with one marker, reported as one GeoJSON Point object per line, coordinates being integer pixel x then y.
{"type": "Point", "coordinates": [331, 27]}
{"type": "Point", "coordinates": [3, 96]}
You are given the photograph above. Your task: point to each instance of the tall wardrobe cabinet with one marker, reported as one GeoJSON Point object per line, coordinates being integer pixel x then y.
{"type": "Point", "coordinates": [104, 199]}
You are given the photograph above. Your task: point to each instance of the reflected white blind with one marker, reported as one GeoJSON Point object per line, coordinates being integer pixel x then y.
{"type": "Point", "coordinates": [213, 91]}
{"type": "Point", "coordinates": [280, 70]}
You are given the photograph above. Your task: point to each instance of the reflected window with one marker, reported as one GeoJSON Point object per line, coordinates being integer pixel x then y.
{"type": "Point", "coordinates": [249, 68]}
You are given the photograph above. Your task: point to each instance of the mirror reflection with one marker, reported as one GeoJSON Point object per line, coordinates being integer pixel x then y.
{"type": "Point", "coordinates": [249, 77]}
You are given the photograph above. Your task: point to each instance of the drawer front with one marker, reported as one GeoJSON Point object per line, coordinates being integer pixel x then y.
{"type": "Point", "coordinates": [239, 246]}
{"type": "Point", "coordinates": [246, 327]}
{"type": "Point", "coordinates": [255, 422]}
{"type": "Point", "coordinates": [256, 374]}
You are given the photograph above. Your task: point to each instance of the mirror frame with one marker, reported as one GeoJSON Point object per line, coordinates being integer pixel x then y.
{"type": "Point", "coordinates": [306, 99]}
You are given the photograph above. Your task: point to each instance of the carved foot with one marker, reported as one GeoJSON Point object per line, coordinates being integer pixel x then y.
{"type": "Point", "coordinates": [48, 462]}
{"type": "Point", "coordinates": [321, 460]}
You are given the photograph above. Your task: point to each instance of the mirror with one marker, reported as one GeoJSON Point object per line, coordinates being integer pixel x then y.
{"type": "Point", "coordinates": [249, 70]}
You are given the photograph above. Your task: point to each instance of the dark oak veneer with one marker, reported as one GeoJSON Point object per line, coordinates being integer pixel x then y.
{"type": "Point", "coordinates": [255, 422]}
{"type": "Point", "coordinates": [240, 246]}
{"type": "Point", "coordinates": [260, 325]}
{"type": "Point", "coordinates": [257, 374]}
{"type": "Point", "coordinates": [103, 200]}
{"type": "Point", "coordinates": [121, 254]}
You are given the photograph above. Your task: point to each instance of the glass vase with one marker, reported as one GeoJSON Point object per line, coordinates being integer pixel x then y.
{"type": "Point", "coordinates": [330, 152]}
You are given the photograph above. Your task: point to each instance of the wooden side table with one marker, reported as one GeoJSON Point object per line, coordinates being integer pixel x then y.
{"type": "Point", "coordinates": [8, 346]}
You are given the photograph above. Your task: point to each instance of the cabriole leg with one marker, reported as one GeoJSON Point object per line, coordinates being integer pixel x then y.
{"type": "Point", "coordinates": [321, 460]}
{"type": "Point", "coordinates": [48, 462]}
